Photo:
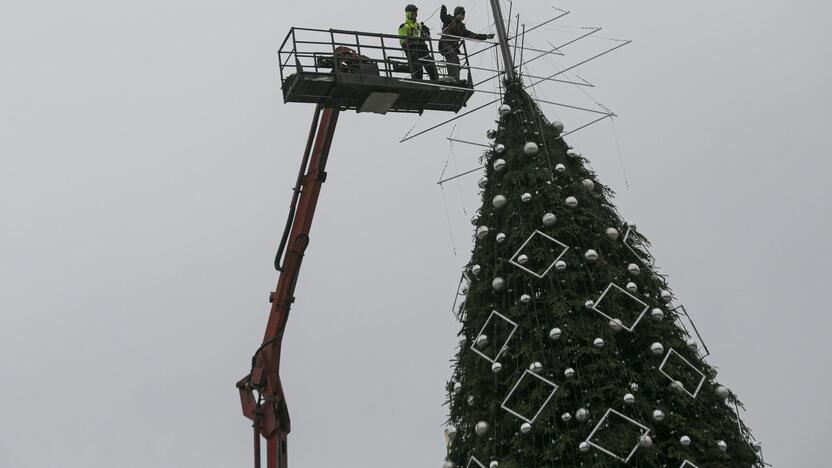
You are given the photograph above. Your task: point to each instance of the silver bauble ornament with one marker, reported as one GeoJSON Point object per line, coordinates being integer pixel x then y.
{"type": "Point", "coordinates": [530, 148]}
{"type": "Point", "coordinates": [658, 415]}
{"type": "Point", "coordinates": [583, 447]}
{"type": "Point", "coordinates": [522, 259]}
{"type": "Point", "coordinates": [491, 134]}
{"type": "Point", "coordinates": [646, 441]}
{"type": "Point", "coordinates": [633, 269]}
{"type": "Point", "coordinates": [723, 447]}
{"type": "Point", "coordinates": [582, 415]}
{"type": "Point", "coordinates": [536, 367]}
{"type": "Point", "coordinates": [616, 325]}
{"type": "Point", "coordinates": [569, 373]}
{"type": "Point", "coordinates": [504, 110]}
{"type": "Point", "coordinates": [499, 201]}
{"type": "Point", "coordinates": [457, 388]}
{"type": "Point", "coordinates": [448, 464]}
{"type": "Point", "coordinates": [566, 417]}
{"type": "Point", "coordinates": [572, 153]}
{"type": "Point", "coordinates": [499, 164]}
{"type": "Point", "coordinates": [481, 341]}
{"type": "Point", "coordinates": [632, 287]}
{"type": "Point", "coordinates": [634, 387]}
{"type": "Point", "coordinates": [476, 270]}
{"type": "Point", "coordinates": [612, 233]}
{"type": "Point", "coordinates": [493, 464]}
{"type": "Point", "coordinates": [666, 296]}
{"type": "Point", "coordinates": [451, 432]}
{"type": "Point", "coordinates": [482, 428]}
{"type": "Point", "coordinates": [677, 386]}
{"type": "Point", "coordinates": [685, 440]}
{"type": "Point", "coordinates": [482, 183]}
{"type": "Point", "coordinates": [589, 304]}
{"type": "Point", "coordinates": [571, 202]}
{"type": "Point", "coordinates": [525, 428]}
{"type": "Point", "coordinates": [629, 399]}
{"type": "Point", "coordinates": [526, 197]}
{"type": "Point", "coordinates": [657, 349]}
{"type": "Point", "coordinates": [598, 343]}
{"type": "Point", "coordinates": [496, 367]}
{"type": "Point", "coordinates": [555, 333]}
{"type": "Point", "coordinates": [501, 238]}
{"type": "Point", "coordinates": [525, 298]}
{"type": "Point", "coordinates": [588, 185]}
{"type": "Point", "coordinates": [549, 219]}
{"type": "Point", "coordinates": [722, 392]}
{"type": "Point", "coordinates": [498, 284]}
{"type": "Point", "coordinates": [591, 255]}
{"type": "Point", "coordinates": [475, 220]}
{"type": "Point", "coordinates": [560, 168]}
{"type": "Point", "coordinates": [500, 149]}
{"type": "Point", "coordinates": [657, 314]}
{"type": "Point", "coordinates": [482, 232]}
{"type": "Point", "coordinates": [560, 265]}
{"type": "Point", "coordinates": [557, 126]}
{"type": "Point", "coordinates": [463, 341]}
{"type": "Point", "coordinates": [471, 400]}
{"type": "Point", "coordinates": [757, 446]}
{"type": "Point", "coordinates": [693, 345]}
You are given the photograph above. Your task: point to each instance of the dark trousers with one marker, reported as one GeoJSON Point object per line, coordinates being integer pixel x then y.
{"type": "Point", "coordinates": [452, 57]}
{"type": "Point", "coordinates": [422, 59]}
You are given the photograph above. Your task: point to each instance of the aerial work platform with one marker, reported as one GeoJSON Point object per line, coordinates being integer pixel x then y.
{"type": "Point", "coordinates": [366, 72]}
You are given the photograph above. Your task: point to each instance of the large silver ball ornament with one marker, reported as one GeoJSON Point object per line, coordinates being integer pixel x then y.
{"type": "Point", "coordinates": [481, 341]}
{"type": "Point", "coordinates": [457, 388]}
{"type": "Point", "coordinates": [612, 233]}
{"type": "Point", "coordinates": [560, 168]}
{"type": "Point", "coordinates": [723, 447]}
{"type": "Point", "coordinates": [526, 197]}
{"type": "Point", "coordinates": [722, 392]}
{"type": "Point", "coordinates": [499, 164]}
{"type": "Point", "coordinates": [493, 464]}
{"type": "Point", "coordinates": [633, 269]}
{"type": "Point", "coordinates": [525, 298]}
{"type": "Point", "coordinates": [491, 134]}
{"type": "Point", "coordinates": [598, 343]}
{"type": "Point", "coordinates": [591, 255]}
{"type": "Point", "coordinates": [685, 440]}
{"type": "Point", "coordinates": [572, 153]}
{"type": "Point", "coordinates": [482, 428]}
{"type": "Point", "coordinates": [555, 334]}
{"type": "Point", "coordinates": [582, 415]}
{"type": "Point", "coordinates": [496, 367]}
{"type": "Point", "coordinates": [471, 400]}
{"type": "Point", "coordinates": [451, 432]}
{"type": "Point", "coordinates": [530, 148]}
{"type": "Point", "coordinates": [571, 202]}
{"type": "Point", "coordinates": [560, 265]}
{"type": "Point", "coordinates": [522, 259]}
{"type": "Point", "coordinates": [498, 284]}
{"type": "Point", "coordinates": [448, 464]}
{"type": "Point", "coordinates": [549, 219]}
{"type": "Point", "coordinates": [677, 386]}
{"type": "Point", "coordinates": [501, 238]}
{"type": "Point", "coordinates": [588, 185]}
{"type": "Point", "coordinates": [500, 149]}
{"type": "Point", "coordinates": [634, 387]}
{"type": "Point", "coordinates": [483, 183]}
{"type": "Point", "coordinates": [569, 373]}
{"type": "Point", "coordinates": [629, 399]}
{"type": "Point", "coordinates": [658, 415]}
{"type": "Point", "coordinates": [583, 447]}
{"type": "Point", "coordinates": [499, 201]}
{"type": "Point", "coordinates": [632, 287]}
{"type": "Point", "coordinates": [589, 304]}
{"type": "Point", "coordinates": [657, 349]}
{"type": "Point", "coordinates": [476, 269]}
{"type": "Point", "coordinates": [463, 341]}
{"type": "Point", "coordinates": [525, 428]}
{"type": "Point", "coordinates": [536, 367]}
{"type": "Point", "coordinates": [504, 110]}
{"type": "Point", "coordinates": [646, 441]}
{"type": "Point", "coordinates": [666, 296]}
{"type": "Point", "coordinates": [657, 314]}
{"type": "Point", "coordinates": [557, 126]}
{"type": "Point", "coordinates": [692, 344]}
{"type": "Point", "coordinates": [482, 232]}
{"type": "Point", "coordinates": [616, 325]}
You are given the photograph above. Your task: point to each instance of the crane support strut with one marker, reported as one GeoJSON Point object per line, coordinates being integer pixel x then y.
{"type": "Point", "coordinates": [261, 392]}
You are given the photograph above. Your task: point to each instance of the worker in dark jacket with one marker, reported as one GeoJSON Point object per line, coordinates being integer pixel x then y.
{"type": "Point", "coordinates": [453, 30]}
{"type": "Point", "coordinates": [415, 46]}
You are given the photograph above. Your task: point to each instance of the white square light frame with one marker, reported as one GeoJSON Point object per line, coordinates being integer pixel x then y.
{"type": "Point", "coordinates": [601, 298]}
{"type": "Point", "coordinates": [701, 381]}
{"type": "Point", "coordinates": [473, 459]}
{"type": "Point", "coordinates": [554, 386]}
{"type": "Point", "coordinates": [650, 262]}
{"type": "Point", "coordinates": [685, 464]}
{"type": "Point", "coordinates": [645, 431]}
{"type": "Point", "coordinates": [505, 344]}
{"type": "Point", "coordinates": [523, 246]}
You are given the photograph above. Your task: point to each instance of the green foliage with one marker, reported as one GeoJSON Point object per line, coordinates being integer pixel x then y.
{"type": "Point", "coordinates": [602, 375]}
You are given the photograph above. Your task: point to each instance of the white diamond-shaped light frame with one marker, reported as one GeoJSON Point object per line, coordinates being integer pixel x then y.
{"type": "Point", "coordinates": [563, 246]}
{"type": "Point", "coordinates": [498, 316]}
{"type": "Point", "coordinates": [530, 374]}
{"type": "Point", "coordinates": [643, 429]}
{"type": "Point", "coordinates": [685, 464]}
{"type": "Point", "coordinates": [473, 463]}
{"type": "Point", "coordinates": [701, 375]}
{"type": "Point", "coordinates": [627, 327]}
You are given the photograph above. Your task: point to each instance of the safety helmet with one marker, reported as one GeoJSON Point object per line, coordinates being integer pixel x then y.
{"type": "Point", "coordinates": [411, 7]}
{"type": "Point", "coordinates": [459, 11]}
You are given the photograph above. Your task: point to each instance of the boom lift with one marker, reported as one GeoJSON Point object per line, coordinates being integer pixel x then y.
{"type": "Point", "coordinates": [335, 70]}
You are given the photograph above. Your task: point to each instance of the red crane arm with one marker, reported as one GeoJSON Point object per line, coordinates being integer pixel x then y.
{"type": "Point", "coordinates": [261, 392]}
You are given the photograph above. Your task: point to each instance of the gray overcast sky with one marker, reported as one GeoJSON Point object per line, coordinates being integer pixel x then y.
{"type": "Point", "coordinates": [146, 161]}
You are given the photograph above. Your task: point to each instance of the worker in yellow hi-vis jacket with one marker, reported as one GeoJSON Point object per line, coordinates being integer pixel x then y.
{"type": "Point", "coordinates": [413, 40]}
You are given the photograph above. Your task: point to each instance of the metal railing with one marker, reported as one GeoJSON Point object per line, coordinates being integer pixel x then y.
{"type": "Point", "coordinates": [388, 55]}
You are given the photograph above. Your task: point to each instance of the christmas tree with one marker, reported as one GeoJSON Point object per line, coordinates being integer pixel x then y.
{"type": "Point", "coordinates": [571, 352]}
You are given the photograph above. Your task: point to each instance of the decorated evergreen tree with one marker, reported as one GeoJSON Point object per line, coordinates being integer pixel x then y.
{"type": "Point", "coordinates": [571, 352]}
